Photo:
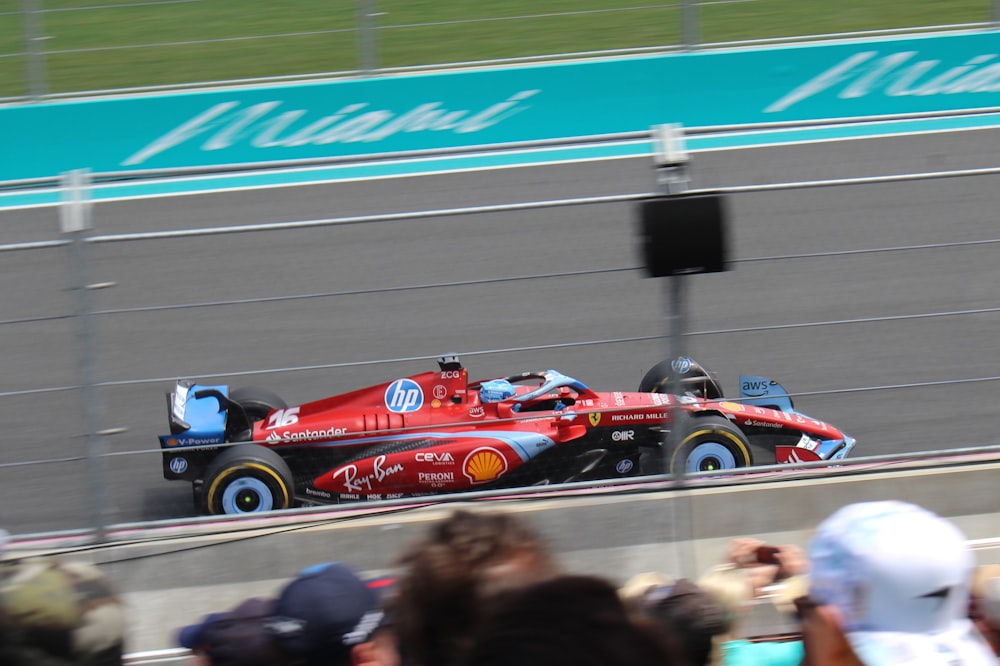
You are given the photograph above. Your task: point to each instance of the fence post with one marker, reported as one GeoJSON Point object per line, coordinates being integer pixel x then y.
{"type": "Point", "coordinates": [367, 44]}
{"type": "Point", "coordinates": [690, 19]}
{"type": "Point", "coordinates": [74, 222]}
{"type": "Point", "coordinates": [33, 54]}
{"type": "Point", "coordinates": [672, 170]}
{"type": "Point", "coordinates": [682, 234]}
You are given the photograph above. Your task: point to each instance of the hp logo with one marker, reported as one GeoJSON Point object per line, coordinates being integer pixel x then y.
{"type": "Point", "coordinates": [404, 395]}
{"type": "Point", "coordinates": [178, 465]}
{"type": "Point", "coordinates": [624, 466]}
{"type": "Point", "coordinates": [681, 364]}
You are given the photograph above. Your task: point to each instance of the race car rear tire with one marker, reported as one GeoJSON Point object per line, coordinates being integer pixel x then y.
{"type": "Point", "coordinates": [257, 402]}
{"type": "Point", "coordinates": [247, 478]}
{"type": "Point", "coordinates": [710, 443]}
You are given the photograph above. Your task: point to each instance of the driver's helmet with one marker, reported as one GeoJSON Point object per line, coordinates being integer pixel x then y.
{"type": "Point", "coordinates": [496, 390]}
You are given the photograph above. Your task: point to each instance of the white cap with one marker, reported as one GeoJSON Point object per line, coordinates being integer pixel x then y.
{"type": "Point", "coordinates": [900, 576]}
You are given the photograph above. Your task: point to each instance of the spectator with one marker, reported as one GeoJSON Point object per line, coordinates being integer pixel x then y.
{"type": "Point", "coordinates": [447, 579]}
{"type": "Point", "coordinates": [237, 637]}
{"type": "Point", "coordinates": [59, 613]}
{"type": "Point", "coordinates": [889, 586]}
{"type": "Point", "coordinates": [571, 620]}
{"type": "Point", "coordinates": [768, 566]}
{"type": "Point", "coordinates": [735, 588]}
{"type": "Point", "coordinates": [635, 589]}
{"type": "Point", "coordinates": [686, 616]}
{"type": "Point", "coordinates": [325, 616]}
{"type": "Point", "coordinates": [984, 608]}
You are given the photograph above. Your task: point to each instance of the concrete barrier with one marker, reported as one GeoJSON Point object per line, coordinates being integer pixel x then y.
{"type": "Point", "coordinates": [173, 575]}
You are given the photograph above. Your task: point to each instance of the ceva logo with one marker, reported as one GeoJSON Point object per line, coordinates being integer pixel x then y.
{"type": "Point", "coordinates": [404, 395]}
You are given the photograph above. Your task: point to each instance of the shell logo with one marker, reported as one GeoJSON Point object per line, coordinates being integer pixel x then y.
{"type": "Point", "coordinates": [484, 464]}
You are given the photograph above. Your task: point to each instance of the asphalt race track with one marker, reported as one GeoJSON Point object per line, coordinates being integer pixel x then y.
{"type": "Point", "coordinates": [875, 303]}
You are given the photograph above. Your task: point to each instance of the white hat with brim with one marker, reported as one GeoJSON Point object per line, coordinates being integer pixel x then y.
{"type": "Point", "coordinates": [962, 644]}
{"type": "Point", "coordinates": [900, 577]}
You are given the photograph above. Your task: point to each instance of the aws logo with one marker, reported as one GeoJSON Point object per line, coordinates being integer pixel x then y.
{"type": "Point", "coordinates": [404, 395]}
{"type": "Point", "coordinates": [483, 465]}
{"type": "Point", "coordinates": [756, 386]}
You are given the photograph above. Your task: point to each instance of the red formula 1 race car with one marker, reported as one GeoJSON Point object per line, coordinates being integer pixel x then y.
{"type": "Point", "coordinates": [246, 451]}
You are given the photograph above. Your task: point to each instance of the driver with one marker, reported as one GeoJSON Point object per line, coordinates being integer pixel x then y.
{"type": "Point", "coordinates": [496, 390]}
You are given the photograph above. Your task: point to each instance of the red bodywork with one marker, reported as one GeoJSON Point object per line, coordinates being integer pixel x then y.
{"type": "Point", "coordinates": [435, 432]}
{"type": "Point", "coordinates": [461, 443]}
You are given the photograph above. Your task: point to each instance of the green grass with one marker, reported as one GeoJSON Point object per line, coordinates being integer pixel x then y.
{"type": "Point", "coordinates": [129, 43]}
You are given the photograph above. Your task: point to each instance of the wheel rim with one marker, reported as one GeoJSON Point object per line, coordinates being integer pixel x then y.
{"type": "Point", "coordinates": [709, 457]}
{"type": "Point", "coordinates": [247, 495]}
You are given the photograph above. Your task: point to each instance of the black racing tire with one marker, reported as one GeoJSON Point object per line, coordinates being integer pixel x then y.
{"type": "Point", "coordinates": [257, 402]}
{"type": "Point", "coordinates": [709, 443]}
{"type": "Point", "coordinates": [247, 478]}
{"type": "Point", "coordinates": [693, 377]}
{"type": "Point", "coordinates": [196, 495]}
{"type": "Point", "coordinates": [657, 380]}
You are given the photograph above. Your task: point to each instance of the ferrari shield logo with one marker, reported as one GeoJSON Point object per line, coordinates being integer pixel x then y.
{"type": "Point", "coordinates": [595, 418]}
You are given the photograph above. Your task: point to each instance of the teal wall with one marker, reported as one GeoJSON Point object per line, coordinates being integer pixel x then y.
{"type": "Point", "coordinates": [386, 114]}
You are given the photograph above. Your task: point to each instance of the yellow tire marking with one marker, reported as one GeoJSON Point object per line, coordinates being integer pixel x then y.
{"type": "Point", "coordinates": [229, 471]}
{"type": "Point", "coordinates": [710, 431]}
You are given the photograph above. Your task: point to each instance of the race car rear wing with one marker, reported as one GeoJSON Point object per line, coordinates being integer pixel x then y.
{"type": "Point", "coordinates": [204, 415]}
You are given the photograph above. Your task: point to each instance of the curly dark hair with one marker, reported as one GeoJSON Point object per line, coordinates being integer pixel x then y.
{"type": "Point", "coordinates": [686, 616]}
{"type": "Point", "coordinates": [572, 620]}
{"type": "Point", "coordinates": [450, 580]}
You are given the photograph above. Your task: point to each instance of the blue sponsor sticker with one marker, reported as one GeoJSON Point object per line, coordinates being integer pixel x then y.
{"type": "Point", "coordinates": [178, 465]}
{"type": "Point", "coordinates": [753, 386]}
{"type": "Point", "coordinates": [681, 364]}
{"type": "Point", "coordinates": [624, 466]}
{"type": "Point", "coordinates": [404, 395]}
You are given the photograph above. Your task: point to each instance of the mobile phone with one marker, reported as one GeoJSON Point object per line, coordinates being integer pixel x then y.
{"type": "Point", "coordinates": [766, 554]}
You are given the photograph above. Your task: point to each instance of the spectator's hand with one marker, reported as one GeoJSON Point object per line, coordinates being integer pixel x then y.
{"type": "Point", "coordinates": [792, 560]}
{"type": "Point", "coordinates": [787, 560]}
{"type": "Point", "coordinates": [742, 552]}
{"type": "Point", "coordinates": [823, 638]}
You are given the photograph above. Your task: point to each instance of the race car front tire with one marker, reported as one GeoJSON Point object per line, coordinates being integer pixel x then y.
{"type": "Point", "coordinates": [691, 377]}
{"type": "Point", "coordinates": [710, 443]}
{"type": "Point", "coordinates": [247, 478]}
